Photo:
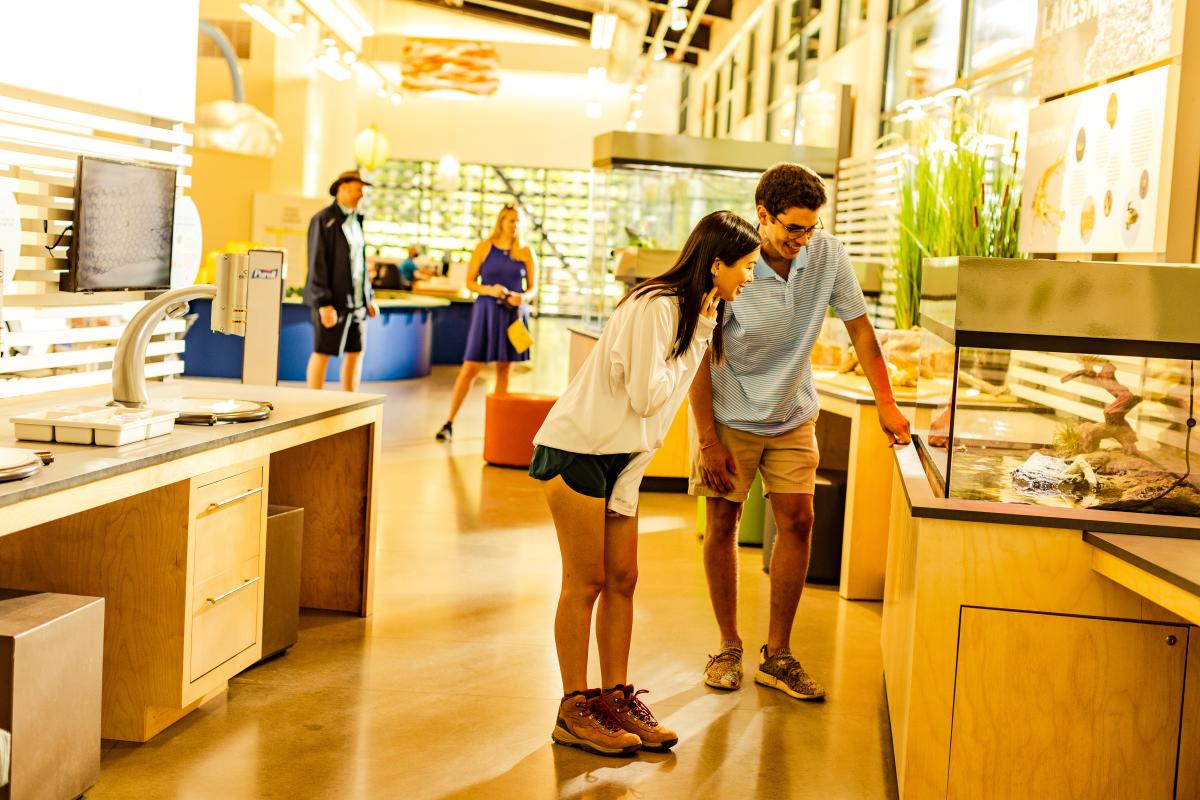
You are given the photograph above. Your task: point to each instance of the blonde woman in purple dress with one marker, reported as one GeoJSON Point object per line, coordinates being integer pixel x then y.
{"type": "Point", "coordinates": [503, 273]}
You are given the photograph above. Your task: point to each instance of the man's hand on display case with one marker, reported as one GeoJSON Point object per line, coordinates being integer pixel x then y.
{"type": "Point", "coordinates": [328, 316]}
{"type": "Point", "coordinates": [372, 309]}
{"type": "Point", "coordinates": [894, 424]}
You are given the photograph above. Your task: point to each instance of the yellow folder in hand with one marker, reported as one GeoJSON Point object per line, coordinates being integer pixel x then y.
{"type": "Point", "coordinates": [519, 336]}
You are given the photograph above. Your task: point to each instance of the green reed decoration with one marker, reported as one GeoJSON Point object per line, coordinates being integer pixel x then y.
{"type": "Point", "coordinates": [959, 196]}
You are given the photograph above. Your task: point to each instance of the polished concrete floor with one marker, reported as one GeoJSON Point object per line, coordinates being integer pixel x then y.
{"type": "Point", "coordinates": [449, 690]}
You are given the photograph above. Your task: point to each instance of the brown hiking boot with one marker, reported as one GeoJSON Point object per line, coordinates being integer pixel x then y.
{"type": "Point", "coordinates": [585, 721]}
{"type": "Point", "coordinates": [783, 672]}
{"type": "Point", "coordinates": [724, 670]}
{"type": "Point", "coordinates": [635, 717]}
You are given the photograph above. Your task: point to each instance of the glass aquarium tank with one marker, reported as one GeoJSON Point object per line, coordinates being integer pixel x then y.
{"type": "Point", "coordinates": [649, 191]}
{"type": "Point", "coordinates": [1070, 384]}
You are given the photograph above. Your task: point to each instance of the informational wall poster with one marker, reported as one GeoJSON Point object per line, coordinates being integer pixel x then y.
{"type": "Point", "coordinates": [282, 221]}
{"type": "Point", "coordinates": [1093, 169]}
{"type": "Point", "coordinates": [1079, 42]}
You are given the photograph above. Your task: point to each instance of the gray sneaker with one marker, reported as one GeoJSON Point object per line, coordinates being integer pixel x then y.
{"type": "Point", "coordinates": [783, 672]}
{"type": "Point", "coordinates": [724, 670]}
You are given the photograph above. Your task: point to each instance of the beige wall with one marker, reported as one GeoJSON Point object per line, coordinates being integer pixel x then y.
{"type": "Point", "coordinates": [536, 119]}
{"type": "Point", "coordinates": [223, 185]}
{"type": "Point", "coordinates": [860, 64]}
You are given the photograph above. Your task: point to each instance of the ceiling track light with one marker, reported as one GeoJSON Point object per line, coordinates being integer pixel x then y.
{"type": "Point", "coordinates": [604, 27]}
{"type": "Point", "coordinates": [268, 20]}
{"type": "Point", "coordinates": [331, 68]}
{"type": "Point", "coordinates": [343, 18]}
{"type": "Point", "coordinates": [679, 19]}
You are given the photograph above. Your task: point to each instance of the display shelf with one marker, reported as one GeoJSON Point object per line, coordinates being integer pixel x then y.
{"type": "Point", "coordinates": [410, 204]}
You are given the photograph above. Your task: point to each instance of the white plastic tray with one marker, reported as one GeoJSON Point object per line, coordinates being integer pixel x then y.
{"type": "Point", "coordinates": [110, 426]}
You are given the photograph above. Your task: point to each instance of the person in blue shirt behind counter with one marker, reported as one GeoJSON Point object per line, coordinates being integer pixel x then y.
{"type": "Point", "coordinates": [409, 271]}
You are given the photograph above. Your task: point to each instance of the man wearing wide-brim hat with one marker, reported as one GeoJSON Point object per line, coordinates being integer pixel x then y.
{"type": "Point", "coordinates": [338, 290]}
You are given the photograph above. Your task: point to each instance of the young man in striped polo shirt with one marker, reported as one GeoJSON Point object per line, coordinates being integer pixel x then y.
{"type": "Point", "coordinates": [756, 412]}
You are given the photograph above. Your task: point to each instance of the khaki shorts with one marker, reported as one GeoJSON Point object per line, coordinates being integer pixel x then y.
{"type": "Point", "coordinates": [787, 461]}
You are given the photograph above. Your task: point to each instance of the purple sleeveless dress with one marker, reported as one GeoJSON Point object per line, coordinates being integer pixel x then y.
{"type": "Point", "coordinates": [487, 337]}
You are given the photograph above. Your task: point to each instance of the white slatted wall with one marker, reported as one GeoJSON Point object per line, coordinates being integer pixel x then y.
{"type": "Point", "coordinates": [868, 210]}
{"type": "Point", "coordinates": [56, 340]}
{"type": "Point", "coordinates": [1036, 378]}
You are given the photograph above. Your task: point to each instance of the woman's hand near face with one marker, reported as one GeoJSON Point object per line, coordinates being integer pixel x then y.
{"type": "Point", "coordinates": [708, 308]}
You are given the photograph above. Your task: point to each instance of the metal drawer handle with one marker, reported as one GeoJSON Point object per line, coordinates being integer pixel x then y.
{"type": "Point", "coordinates": [234, 499]}
{"type": "Point", "coordinates": [233, 591]}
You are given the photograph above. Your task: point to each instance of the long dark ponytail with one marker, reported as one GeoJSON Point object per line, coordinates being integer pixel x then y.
{"type": "Point", "coordinates": [720, 235]}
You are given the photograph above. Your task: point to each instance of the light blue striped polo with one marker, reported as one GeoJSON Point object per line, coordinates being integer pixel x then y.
{"type": "Point", "coordinates": [765, 384]}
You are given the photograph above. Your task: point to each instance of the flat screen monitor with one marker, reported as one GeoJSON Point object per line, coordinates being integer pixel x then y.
{"type": "Point", "coordinates": [123, 230]}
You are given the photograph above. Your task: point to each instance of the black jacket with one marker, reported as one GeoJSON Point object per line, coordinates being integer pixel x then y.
{"type": "Point", "coordinates": [329, 281]}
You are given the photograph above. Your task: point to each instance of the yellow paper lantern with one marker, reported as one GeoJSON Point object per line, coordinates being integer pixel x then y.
{"type": "Point", "coordinates": [370, 148]}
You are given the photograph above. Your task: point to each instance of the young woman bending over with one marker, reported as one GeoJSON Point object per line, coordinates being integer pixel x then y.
{"type": "Point", "coordinates": [591, 453]}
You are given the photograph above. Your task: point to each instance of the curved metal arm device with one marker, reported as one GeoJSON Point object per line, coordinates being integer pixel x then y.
{"type": "Point", "coordinates": [129, 364]}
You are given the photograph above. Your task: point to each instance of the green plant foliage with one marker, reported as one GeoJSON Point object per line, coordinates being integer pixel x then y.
{"type": "Point", "coordinates": [959, 196]}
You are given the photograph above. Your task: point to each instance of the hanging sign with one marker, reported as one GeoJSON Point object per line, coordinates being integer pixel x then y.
{"type": "Point", "coordinates": [1080, 42]}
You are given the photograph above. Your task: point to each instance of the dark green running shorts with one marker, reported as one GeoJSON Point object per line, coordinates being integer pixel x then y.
{"type": "Point", "coordinates": [588, 474]}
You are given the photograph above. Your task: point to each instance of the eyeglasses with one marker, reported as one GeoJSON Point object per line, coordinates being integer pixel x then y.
{"type": "Point", "coordinates": [800, 231]}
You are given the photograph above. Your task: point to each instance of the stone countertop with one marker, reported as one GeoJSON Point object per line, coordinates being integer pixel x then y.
{"type": "Point", "coordinates": [1175, 560]}
{"type": "Point", "coordinates": [583, 329]}
{"type": "Point", "coordinates": [75, 465]}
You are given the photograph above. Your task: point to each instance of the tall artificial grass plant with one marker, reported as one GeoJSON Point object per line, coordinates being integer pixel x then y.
{"type": "Point", "coordinates": [959, 196]}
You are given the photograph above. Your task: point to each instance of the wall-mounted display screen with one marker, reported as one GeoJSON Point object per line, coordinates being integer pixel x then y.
{"type": "Point", "coordinates": [124, 217]}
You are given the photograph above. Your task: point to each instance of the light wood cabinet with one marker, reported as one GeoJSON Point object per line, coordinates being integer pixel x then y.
{"type": "Point", "coordinates": [180, 568]}
{"type": "Point", "coordinates": [1015, 670]}
{"type": "Point", "coordinates": [1049, 705]}
{"type": "Point", "coordinates": [228, 522]}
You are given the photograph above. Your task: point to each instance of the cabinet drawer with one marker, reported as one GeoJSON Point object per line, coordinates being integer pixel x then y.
{"type": "Point", "coordinates": [225, 616]}
{"type": "Point", "coordinates": [228, 524]}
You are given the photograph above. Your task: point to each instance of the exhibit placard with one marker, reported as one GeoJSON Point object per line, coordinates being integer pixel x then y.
{"type": "Point", "coordinates": [1080, 42]}
{"type": "Point", "coordinates": [1093, 170]}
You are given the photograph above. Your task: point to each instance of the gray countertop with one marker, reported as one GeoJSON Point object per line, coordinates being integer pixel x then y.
{"type": "Point", "coordinates": [75, 465]}
{"type": "Point", "coordinates": [1176, 561]}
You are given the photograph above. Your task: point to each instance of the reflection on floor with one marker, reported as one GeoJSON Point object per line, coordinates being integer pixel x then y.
{"type": "Point", "coordinates": [450, 689]}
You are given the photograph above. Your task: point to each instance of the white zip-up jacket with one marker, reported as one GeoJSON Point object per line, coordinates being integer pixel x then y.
{"type": "Point", "coordinates": [628, 391]}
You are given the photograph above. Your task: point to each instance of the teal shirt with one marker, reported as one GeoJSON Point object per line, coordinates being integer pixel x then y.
{"type": "Point", "coordinates": [358, 262]}
{"type": "Point", "coordinates": [408, 270]}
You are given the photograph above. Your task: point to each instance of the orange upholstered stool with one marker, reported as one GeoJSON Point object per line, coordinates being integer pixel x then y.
{"type": "Point", "coordinates": [509, 427]}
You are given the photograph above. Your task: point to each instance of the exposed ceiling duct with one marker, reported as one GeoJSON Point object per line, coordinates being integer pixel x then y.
{"type": "Point", "coordinates": [234, 126]}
